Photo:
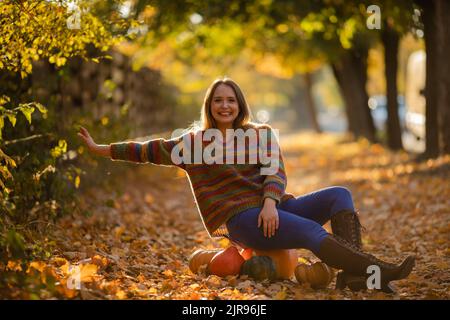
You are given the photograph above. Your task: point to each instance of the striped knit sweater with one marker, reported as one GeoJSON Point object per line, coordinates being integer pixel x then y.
{"type": "Point", "coordinates": [220, 190]}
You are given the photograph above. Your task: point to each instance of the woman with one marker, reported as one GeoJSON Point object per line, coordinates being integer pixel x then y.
{"type": "Point", "coordinates": [252, 209]}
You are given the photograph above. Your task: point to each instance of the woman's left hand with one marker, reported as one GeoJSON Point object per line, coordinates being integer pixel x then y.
{"type": "Point", "coordinates": [269, 218]}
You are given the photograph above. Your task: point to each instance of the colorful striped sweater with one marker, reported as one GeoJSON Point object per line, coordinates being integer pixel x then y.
{"type": "Point", "coordinates": [220, 190]}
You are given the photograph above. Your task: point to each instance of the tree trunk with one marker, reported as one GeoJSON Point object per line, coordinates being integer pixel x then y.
{"type": "Point", "coordinates": [351, 75]}
{"type": "Point", "coordinates": [390, 41]}
{"type": "Point", "coordinates": [359, 61]}
{"type": "Point", "coordinates": [349, 107]}
{"type": "Point", "coordinates": [298, 104]}
{"type": "Point", "coordinates": [431, 83]}
{"type": "Point", "coordinates": [443, 47]}
{"type": "Point", "coordinates": [310, 103]}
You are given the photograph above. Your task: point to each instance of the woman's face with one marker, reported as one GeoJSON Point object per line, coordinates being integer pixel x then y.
{"type": "Point", "coordinates": [224, 106]}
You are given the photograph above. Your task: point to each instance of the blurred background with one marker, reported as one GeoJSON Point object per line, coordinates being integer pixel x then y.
{"type": "Point", "coordinates": [134, 69]}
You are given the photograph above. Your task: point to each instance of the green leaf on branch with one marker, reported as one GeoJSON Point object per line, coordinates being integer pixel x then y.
{"type": "Point", "coordinates": [2, 123]}
{"type": "Point", "coordinates": [27, 111]}
{"type": "Point", "coordinates": [4, 99]}
{"type": "Point", "coordinates": [12, 118]}
{"type": "Point", "coordinates": [40, 107]}
{"type": "Point", "coordinates": [8, 160]}
{"type": "Point", "coordinates": [60, 149]}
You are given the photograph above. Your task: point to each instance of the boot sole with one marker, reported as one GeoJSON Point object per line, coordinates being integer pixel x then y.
{"type": "Point", "coordinates": [354, 283]}
{"type": "Point", "coordinates": [360, 284]}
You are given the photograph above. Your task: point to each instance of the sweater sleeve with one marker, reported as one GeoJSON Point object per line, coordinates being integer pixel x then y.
{"type": "Point", "coordinates": [156, 151]}
{"type": "Point", "coordinates": [275, 183]}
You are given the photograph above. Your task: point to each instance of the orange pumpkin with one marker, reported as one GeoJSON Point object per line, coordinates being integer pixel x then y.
{"type": "Point", "coordinates": [227, 262]}
{"type": "Point", "coordinates": [318, 275]}
{"type": "Point", "coordinates": [247, 253]}
{"type": "Point", "coordinates": [201, 257]}
{"type": "Point", "coordinates": [285, 261]}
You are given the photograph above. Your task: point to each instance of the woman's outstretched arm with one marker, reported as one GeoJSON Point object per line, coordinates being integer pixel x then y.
{"type": "Point", "coordinates": [156, 151]}
{"type": "Point", "coordinates": [98, 149]}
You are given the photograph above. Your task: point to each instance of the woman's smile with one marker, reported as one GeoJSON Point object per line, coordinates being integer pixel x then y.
{"type": "Point", "coordinates": [225, 113]}
{"type": "Point", "coordinates": [224, 106]}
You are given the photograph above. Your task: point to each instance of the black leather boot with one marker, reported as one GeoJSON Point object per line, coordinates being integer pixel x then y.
{"type": "Point", "coordinates": [340, 254]}
{"type": "Point", "coordinates": [346, 225]}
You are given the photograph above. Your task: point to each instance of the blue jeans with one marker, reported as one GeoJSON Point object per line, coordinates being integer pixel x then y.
{"type": "Point", "coordinates": [300, 221]}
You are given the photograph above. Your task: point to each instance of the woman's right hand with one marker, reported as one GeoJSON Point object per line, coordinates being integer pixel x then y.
{"type": "Point", "coordinates": [88, 141]}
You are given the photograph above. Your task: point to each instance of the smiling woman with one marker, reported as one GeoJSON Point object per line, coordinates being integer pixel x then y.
{"type": "Point", "coordinates": [251, 207]}
{"type": "Point", "coordinates": [224, 107]}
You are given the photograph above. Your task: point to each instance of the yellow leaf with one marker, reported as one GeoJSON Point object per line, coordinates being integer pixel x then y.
{"type": "Point", "coordinates": [87, 272]}
{"type": "Point", "coordinates": [194, 296]}
{"type": "Point", "coordinates": [13, 266]}
{"type": "Point", "coordinates": [120, 294]}
{"type": "Point", "coordinates": [60, 61]}
{"type": "Point", "coordinates": [100, 261]}
{"type": "Point", "coordinates": [104, 120]}
{"type": "Point", "coordinates": [64, 268]}
{"type": "Point", "coordinates": [65, 291]}
{"type": "Point", "coordinates": [149, 198]}
{"type": "Point", "coordinates": [195, 286]}
{"type": "Point", "coordinates": [118, 231]}
{"type": "Point", "coordinates": [281, 295]}
{"type": "Point", "coordinates": [38, 265]}
{"type": "Point", "coordinates": [168, 273]}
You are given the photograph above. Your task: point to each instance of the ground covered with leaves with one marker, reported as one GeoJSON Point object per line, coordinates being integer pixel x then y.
{"type": "Point", "coordinates": [135, 244]}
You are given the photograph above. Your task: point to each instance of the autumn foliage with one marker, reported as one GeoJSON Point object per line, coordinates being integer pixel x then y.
{"type": "Point", "coordinates": [135, 246]}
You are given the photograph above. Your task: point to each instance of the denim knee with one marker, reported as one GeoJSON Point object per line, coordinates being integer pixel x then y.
{"type": "Point", "coordinates": [342, 199]}
{"type": "Point", "coordinates": [342, 191]}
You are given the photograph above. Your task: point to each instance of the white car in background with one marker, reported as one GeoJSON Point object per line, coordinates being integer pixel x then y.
{"type": "Point", "coordinates": [415, 94]}
{"type": "Point", "coordinates": [411, 106]}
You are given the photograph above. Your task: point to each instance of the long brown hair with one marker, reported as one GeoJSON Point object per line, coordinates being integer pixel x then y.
{"type": "Point", "coordinates": [243, 119]}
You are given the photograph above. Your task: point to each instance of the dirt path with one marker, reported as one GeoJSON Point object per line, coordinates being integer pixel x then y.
{"type": "Point", "coordinates": [135, 245]}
